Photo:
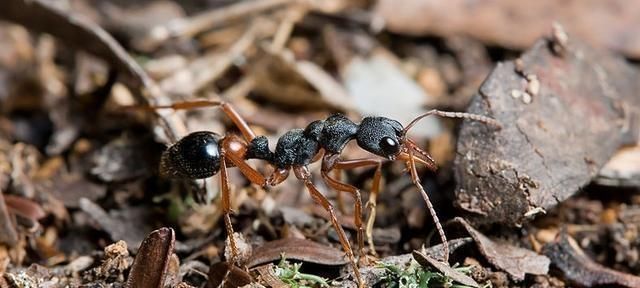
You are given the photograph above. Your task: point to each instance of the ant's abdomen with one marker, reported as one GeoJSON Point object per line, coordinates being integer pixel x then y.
{"type": "Point", "coordinates": [195, 156]}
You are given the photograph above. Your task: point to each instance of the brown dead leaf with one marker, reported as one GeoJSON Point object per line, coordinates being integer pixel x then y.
{"type": "Point", "coordinates": [236, 278]}
{"type": "Point", "coordinates": [296, 249]}
{"type": "Point", "coordinates": [567, 255]}
{"type": "Point", "coordinates": [24, 207]}
{"type": "Point", "coordinates": [151, 263]}
{"type": "Point", "coordinates": [514, 260]}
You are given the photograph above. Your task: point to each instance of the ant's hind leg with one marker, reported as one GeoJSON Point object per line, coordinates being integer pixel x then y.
{"type": "Point", "coordinates": [227, 108]}
{"type": "Point", "coordinates": [226, 210]}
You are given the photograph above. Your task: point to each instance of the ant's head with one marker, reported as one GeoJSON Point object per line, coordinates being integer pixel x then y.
{"type": "Point", "coordinates": [381, 136]}
{"type": "Point", "coordinates": [387, 138]}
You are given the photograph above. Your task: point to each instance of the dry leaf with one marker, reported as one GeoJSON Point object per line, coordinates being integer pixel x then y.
{"type": "Point", "coordinates": [514, 260]}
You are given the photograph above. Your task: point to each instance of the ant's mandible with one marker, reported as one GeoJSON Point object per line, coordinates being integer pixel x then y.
{"type": "Point", "coordinates": [203, 154]}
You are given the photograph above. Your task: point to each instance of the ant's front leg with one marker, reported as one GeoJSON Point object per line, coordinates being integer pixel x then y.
{"type": "Point", "coordinates": [411, 165]}
{"type": "Point", "coordinates": [332, 162]}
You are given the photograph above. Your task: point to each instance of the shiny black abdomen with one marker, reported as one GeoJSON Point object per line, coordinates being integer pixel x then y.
{"type": "Point", "coordinates": [195, 156]}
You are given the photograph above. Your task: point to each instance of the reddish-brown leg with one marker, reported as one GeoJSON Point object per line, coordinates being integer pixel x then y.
{"type": "Point", "coordinates": [235, 117]}
{"type": "Point", "coordinates": [226, 208]}
{"type": "Point", "coordinates": [336, 164]}
{"type": "Point", "coordinates": [234, 150]}
{"type": "Point", "coordinates": [411, 165]}
{"type": "Point", "coordinates": [340, 186]}
{"type": "Point", "coordinates": [304, 175]}
{"type": "Point", "coordinates": [337, 175]}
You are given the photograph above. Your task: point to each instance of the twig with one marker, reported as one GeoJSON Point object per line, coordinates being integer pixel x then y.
{"type": "Point", "coordinates": [207, 69]}
{"type": "Point", "coordinates": [292, 16]}
{"type": "Point", "coordinates": [78, 32]}
{"type": "Point", "coordinates": [188, 27]}
{"type": "Point", "coordinates": [240, 89]}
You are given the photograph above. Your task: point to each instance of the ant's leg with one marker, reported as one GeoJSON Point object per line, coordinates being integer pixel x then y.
{"type": "Point", "coordinates": [340, 186]}
{"type": "Point", "coordinates": [252, 174]}
{"type": "Point", "coordinates": [234, 152]}
{"type": "Point", "coordinates": [303, 174]}
{"type": "Point", "coordinates": [373, 196]}
{"type": "Point", "coordinates": [226, 210]}
{"type": "Point", "coordinates": [337, 175]}
{"type": "Point", "coordinates": [235, 117]}
{"type": "Point", "coordinates": [411, 165]}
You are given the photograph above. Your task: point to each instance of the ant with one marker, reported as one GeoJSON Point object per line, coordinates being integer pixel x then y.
{"type": "Point", "coordinates": [203, 154]}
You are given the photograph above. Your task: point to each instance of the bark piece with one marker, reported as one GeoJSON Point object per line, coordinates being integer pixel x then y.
{"type": "Point", "coordinates": [514, 260]}
{"type": "Point", "coordinates": [151, 263]}
{"type": "Point", "coordinates": [517, 24]}
{"type": "Point", "coordinates": [563, 117]}
{"type": "Point", "coordinates": [567, 255]}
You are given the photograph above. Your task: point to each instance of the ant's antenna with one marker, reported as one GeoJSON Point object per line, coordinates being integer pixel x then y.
{"type": "Point", "coordinates": [462, 115]}
{"type": "Point", "coordinates": [411, 165]}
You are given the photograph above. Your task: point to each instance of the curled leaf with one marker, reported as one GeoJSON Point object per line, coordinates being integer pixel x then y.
{"type": "Point", "coordinates": [297, 249]}
{"type": "Point", "coordinates": [150, 265]}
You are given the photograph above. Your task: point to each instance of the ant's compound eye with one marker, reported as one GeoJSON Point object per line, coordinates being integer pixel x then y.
{"type": "Point", "coordinates": [389, 146]}
{"type": "Point", "coordinates": [195, 156]}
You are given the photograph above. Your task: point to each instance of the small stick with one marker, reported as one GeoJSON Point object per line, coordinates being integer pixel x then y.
{"type": "Point", "coordinates": [189, 27]}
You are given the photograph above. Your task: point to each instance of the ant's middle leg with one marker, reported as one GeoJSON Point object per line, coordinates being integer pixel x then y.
{"type": "Point", "coordinates": [303, 174]}
{"type": "Point", "coordinates": [332, 162]}
{"type": "Point", "coordinates": [340, 186]}
{"type": "Point", "coordinates": [227, 108]}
